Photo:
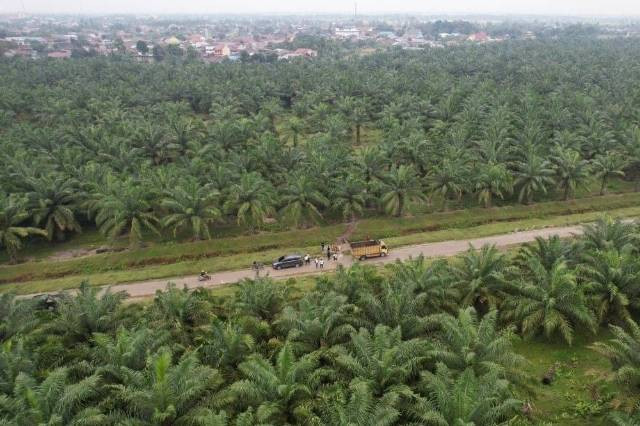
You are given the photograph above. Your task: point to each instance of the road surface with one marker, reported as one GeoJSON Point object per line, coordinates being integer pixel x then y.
{"type": "Point", "coordinates": [439, 249]}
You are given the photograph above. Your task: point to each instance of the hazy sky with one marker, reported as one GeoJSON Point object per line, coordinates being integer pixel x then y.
{"type": "Point", "coordinates": [546, 7]}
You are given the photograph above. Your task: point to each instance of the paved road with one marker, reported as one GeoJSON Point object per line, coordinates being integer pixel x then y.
{"type": "Point", "coordinates": [440, 249]}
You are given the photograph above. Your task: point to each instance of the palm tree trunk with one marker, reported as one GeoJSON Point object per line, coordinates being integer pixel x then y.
{"type": "Point", "coordinates": [603, 186]}
{"type": "Point", "coordinates": [566, 193]}
{"type": "Point", "coordinates": [400, 205]}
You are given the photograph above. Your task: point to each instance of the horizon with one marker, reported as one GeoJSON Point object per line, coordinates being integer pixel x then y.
{"type": "Point", "coordinates": [501, 8]}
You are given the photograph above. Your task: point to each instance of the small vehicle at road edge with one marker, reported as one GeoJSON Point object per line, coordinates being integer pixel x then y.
{"type": "Point", "coordinates": [289, 261]}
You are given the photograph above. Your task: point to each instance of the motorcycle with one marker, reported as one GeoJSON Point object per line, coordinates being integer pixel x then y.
{"type": "Point", "coordinates": [205, 277]}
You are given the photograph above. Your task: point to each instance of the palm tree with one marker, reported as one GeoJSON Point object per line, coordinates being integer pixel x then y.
{"type": "Point", "coordinates": [166, 393]}
{"type": "Point", "coordinates": [12, 216]}
{"type": "Point", "coordinates": [547, 251]}
{"type": "Point", "coordinates": [608, 233]}
{"type": "Point", "coordinates": [294, 127]}
{"type": "Point", "coordinates": [464, 342]}
{"type": "Point", "coordinates": [433, 280]}
{"type": "Point", "coordinates": [449, 180]}
{"type": "Point", "coordinates": [52, 200]}
{"type": "Point", "coordinates": [549, 302]}
{"type": "Point", "coordinates": [192, 207]}
{"type": "Point", "coordinates": [401, 185]}
{"type": "Point", "coordinates": [493, 179]}
{"type": "Point", "coordinates": [570, 169]}
{"type": "Point", "coordinates": [533, 175]}
{"type": "Point", "coordinates": [382, 359]}
{"type": "Point", "coordinates": [55, 400]}
{"type": "Point", "coordinates": [179, 311]}
{"type": "Point", "coordinates": [126, 211]}
{"type": "Point", "coordinates": [611, 283]}
{"type": "Point", "coordinates": [261, 298]}
{"type": "Point", "coordinates": [224, 345]}
{"type": "Point", "coordinates": [349, 197]}
{"type": "Point", "coordinates": [480, 277]}
{"type": "Point", "coordinates": [608, 165]}
{"type": "Point", "coordinates": [466, 399]}
{"type": "Point", "coordinates": [371, 163]}
{"type": "Point", "coordinates": [18, 316]}
{"type": "Point", "coordinates": [150, 138]}
{"type": "Point", "coordinates": [359, 407]}
{"type": "Point", "coordinates": [396, 304]}
{"type": "Point", "coordinates": [251, 200]}
{"type": "Point", "coordinates": [623, 351]}
{"type": "Point", "coordinates": [302, 201]}
{"type": "Point", "coordinates": [126, 352]}
{"type": "Point", "coordinates": [321, 320]}
{"type": "Point", "coordinates": [278, 392]}
{"type": "Point", "coordinates": [88, 311]}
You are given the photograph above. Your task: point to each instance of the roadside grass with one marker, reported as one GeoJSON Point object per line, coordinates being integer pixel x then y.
{"type": "Point", "coordinates": [397, 227]}
{"type": "Point", "coordinates": [173, 259]}
{"type": "Point", "coordinates": [579, 395]}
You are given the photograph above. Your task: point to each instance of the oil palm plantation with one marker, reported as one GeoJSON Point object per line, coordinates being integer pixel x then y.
{"type": "Point", "coordinates": [320, 321]}
{"type": "Point", "coordinates": [55, 401]}
{"type": "Point", "coordinates": [611, 282]}
{"type": "Point", "coordinates": [166, 393]}
{"type": "Point", "coordinates": [13, 217]}
{"type": "Point", "coordinates": [606, 166]}
{"type": "Point", "coordinates": [571, 171]}
{"type": "Point", "coordinates": [533, 175]}
{"type": "Point", "coordinates": [53, 201]}
{"type": "Point", "coordinates": [382, 359]}
{"type": "Point", "coordinates": [250, 200]}
{"type": "Point", "coordinates": [449, 180]}
{"type": "Point", "coordinates": [480, 278]}
{"type": "Point", "coordinates": [126, 211]}
{"type": "Point", "coordinates": [549, 302]}
{"type": "Point", "coordinates": [492, 180]}
{"type": "Point", "coordinates": [467, 342]}
{"type": "Point", "coordinates": [623, 351]}
{"type": "Point", "coordinates": [466, 399]}
{"type": "Point", "coordinates": [401, 186]}
{"type": "Point", "coordinates": [349, 197]}
{"type": "Point", "coordinates": [191, 207]}
{"type": "Point", "coordinates": [280, 392]}
{"type": "Point", "coordinates": [302, 201]}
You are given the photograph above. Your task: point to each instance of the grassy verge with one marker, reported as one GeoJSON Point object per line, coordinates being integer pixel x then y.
{"type": "Point", "coordinates": [578, 396]}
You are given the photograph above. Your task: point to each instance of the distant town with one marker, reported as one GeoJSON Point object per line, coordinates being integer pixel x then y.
{"type": "Point", "coordinates": [263, 39]}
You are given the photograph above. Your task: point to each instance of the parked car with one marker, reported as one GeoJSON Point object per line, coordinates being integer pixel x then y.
{"type": "Point", "coordinates": [289, 261]}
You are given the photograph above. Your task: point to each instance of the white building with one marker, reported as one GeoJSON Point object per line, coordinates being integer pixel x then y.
{"type": "Point", "coordinates": [347, 32]}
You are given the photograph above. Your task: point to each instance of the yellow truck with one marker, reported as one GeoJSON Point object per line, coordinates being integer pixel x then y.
{"type": "Point", "coordinates": [365, 249]}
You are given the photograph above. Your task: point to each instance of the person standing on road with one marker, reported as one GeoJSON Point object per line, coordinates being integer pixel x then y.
{"type": "Point", "coordinates": [321, 247]}
{"type": "Point", "coordinates": [321, 263]}
{"type": "Point", "coordinates": [328, 253]}
{"type": "Point", "coordinates": [307, 259]}
{"type": "Point", "coordinates": [316, 260]}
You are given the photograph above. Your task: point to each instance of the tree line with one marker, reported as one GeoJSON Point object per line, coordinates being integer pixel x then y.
{"type": "Point", "coordinates": [424, 343]}
{"type": "Point", "coordinates": [133, 148]}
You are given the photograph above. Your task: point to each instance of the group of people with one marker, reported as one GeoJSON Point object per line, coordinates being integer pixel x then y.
{"type": "Point", "coordinates": [319, 260]}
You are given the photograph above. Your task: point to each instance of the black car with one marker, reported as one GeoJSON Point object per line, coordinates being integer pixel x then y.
{"type": "Point", "coordinates": [290, 261]}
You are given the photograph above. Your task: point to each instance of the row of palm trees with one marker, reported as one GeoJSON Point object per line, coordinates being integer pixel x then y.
{"type": "Point", "coordinates": [424, 343]}
{"type": "Point", "coordinates": [54, 205]}
{"type": "Point", "coordinates": [305, 142]}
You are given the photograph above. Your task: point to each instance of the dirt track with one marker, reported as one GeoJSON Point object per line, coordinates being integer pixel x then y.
{"type": "Point", "coordinates": [440, 249]}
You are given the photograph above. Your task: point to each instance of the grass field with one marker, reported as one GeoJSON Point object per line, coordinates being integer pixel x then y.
{"type": "Point", "coordinates": [580, 394]}
{"type": "Point", "coordinates": [172, 259]}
